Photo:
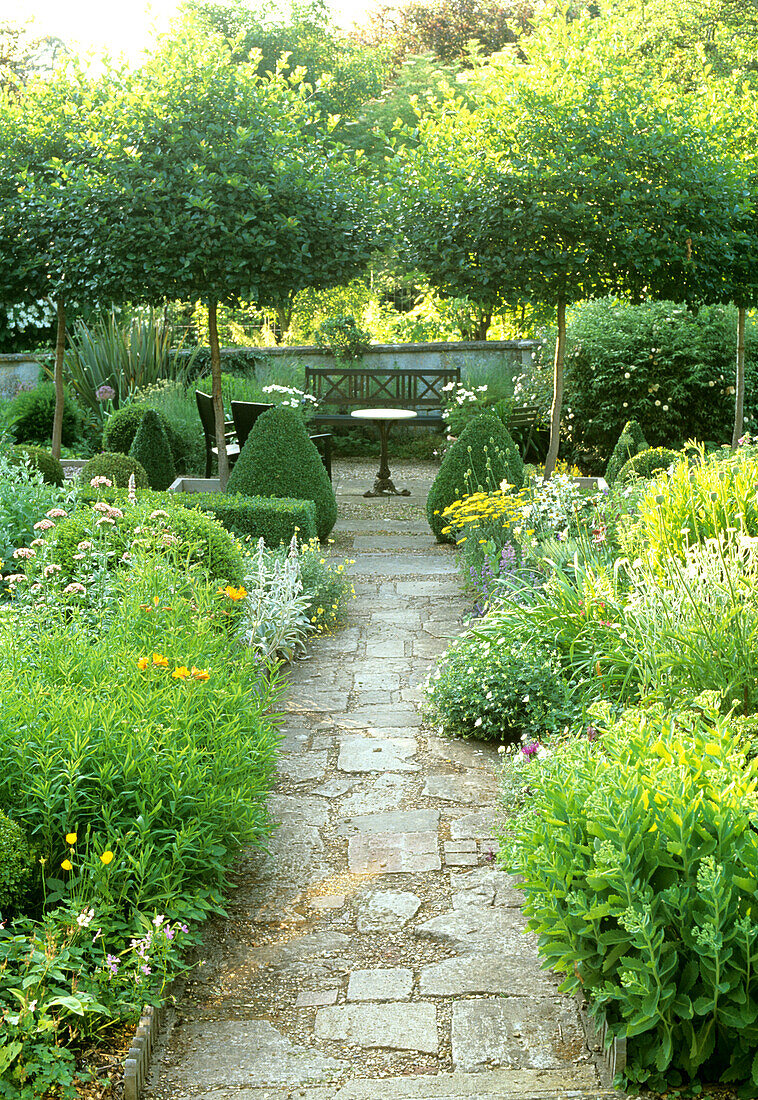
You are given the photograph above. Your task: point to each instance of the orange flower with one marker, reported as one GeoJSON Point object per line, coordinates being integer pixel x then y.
{"type": "Point", "coordinates": [181, 672]}
{"type": "Point", "coordinates": [234, 593]}
{"type": "Point", "coordinates": [142, 663]}
{"type": "Point", "coordinates": [200, 673]}
{"type": "Point", "coordinates": [160, 660]}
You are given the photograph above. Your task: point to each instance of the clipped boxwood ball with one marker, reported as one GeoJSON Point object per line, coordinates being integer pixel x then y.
{"type": "Point", "coordinates": [118, 468]}
{"type": "Point", "coordinates": [121, 427]}
{"type": "Point", "coordinates": [152, 449]}
{"type": "Point", "coordinates": [484, 456]}
{"type": "Point", "coordinates": [279, 460]}
{"type": "Point", "coordinates": [42, 460]}
{"type": "Point", "coordinates": [631, 442]}
{"type": "Point", "coordinates": [646, 464]}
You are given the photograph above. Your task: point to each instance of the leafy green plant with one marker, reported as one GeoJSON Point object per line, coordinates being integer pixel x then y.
{"type": "Point", "coordinates": [639, 861]}
{"type": "Point", "coordinates": [495, 686]}
{"type": "Point", "coordinates": [279, 460]}
{"type": "Point", "coordinates": [116, 468]}
{"type": "Point", "coordinates": [344, 338]}
{"type": "Point", "coordinates": [273, 519]}
{"type": "Point", "coordinates": [30, 416]}
{"type": "Point", "coordinates": [24, 501]}
{"type": "Point", "coordinates": [646, 464]}
{"type": "Point", "coordinates": [122, 425]}
{"type": "Point", "coordinates": [326, 585]}
{"type": "Point", "coordinates": [15, 864]}
{"type": "Point", "coordinates": [175, 404]}
{"type": "Point", "coordinates": [42, 460]}
{"type": "Point", "coordinates": [483, 457]}
{"type": "Point", "coordinates": [152, 450]}
{"type": "Point", "coordinates": [629, 443]}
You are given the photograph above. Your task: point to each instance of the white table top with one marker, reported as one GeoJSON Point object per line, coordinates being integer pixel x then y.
{"type": "Point", "coordinates": [383, 414]}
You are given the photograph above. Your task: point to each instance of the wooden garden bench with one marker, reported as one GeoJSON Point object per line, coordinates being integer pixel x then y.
{"type": "Point", "coordinates": [346, 388]}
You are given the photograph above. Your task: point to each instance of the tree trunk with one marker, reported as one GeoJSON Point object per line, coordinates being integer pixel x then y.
{"type": "Point", "coordinates": [483, 322]}
{"type": "Point", "coordinates": [555, 411]}
{"type": "Point", "coordinates": [284, 317]}
{"type": "Point", "coordinates": [739, 389]}
{"type": "Point", "coordinates": [218, 401]}
{"type": "Point", "coordinates": [60, 350]}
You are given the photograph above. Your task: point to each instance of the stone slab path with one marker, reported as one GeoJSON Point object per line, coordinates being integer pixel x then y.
{"type": "Point", "coordinates": [376, 951]}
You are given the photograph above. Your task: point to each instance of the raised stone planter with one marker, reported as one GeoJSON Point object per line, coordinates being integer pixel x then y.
{"type": "Point", "coordinates": [195, 485]}
{"type": "Point", "coordinates": [138, 1059]}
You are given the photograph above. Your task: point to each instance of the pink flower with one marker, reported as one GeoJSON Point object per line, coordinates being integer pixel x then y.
{"type": "Point", "coordinates": [44, 525]}
{"type": "Point", "coordinates": [101, 506]}
{"type": "Point", "coordinates": [16, 578]}
{"type": "Point", "coordinates": [104, 519]}
{"type": "Point", "coordinates": [105, 392]}
{"type": "Point", "coordinates": [116, 513]}
{"type": "Point", "coordinates": [56, 513]}
{"type": "Point", "coordinates": [75, 589]}
{"type": "Point", "coordinates": [98, 482]}
{"type": "Point", "coordinates": [38, 542]}
{"type": "Point", "coordinates": [24, 552]}
{"type": "Point", "coordinates": [84, 545]}
{"type": "Point", "coordinates": [49, 570]}
{"type": "Point", "coordinates": [531, 748]}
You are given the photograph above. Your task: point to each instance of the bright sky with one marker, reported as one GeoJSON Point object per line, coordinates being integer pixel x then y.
{"type": "Point", "coordinates": [120, 26]}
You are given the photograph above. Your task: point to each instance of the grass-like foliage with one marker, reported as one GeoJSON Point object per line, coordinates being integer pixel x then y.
{"type": "Point", "coordinates": [16, 863]}
{"type": "Point", "coordinates": [483, 457]}
{"type": "Point", "coordinates": [151, 448]}
{"type": "Point", "coordinates": [279, 460]}
{"type": "Point", "coordinates": [639, 864]}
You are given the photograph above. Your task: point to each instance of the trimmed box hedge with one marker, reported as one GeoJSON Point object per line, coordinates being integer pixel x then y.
{"type": "Point", "coordinates": [274, 519]}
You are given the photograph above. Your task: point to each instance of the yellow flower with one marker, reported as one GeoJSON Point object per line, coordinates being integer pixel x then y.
{"type": "Point", "coordinates": [235, 593]}
{"type": "Point", "coordinates": [201, 673]}
{"type": "Point", "coordinates": [106, 857]}
{"type": "Point", "coordinates": [181, 672]}
{"type": "Point", "coordinates": [160, 660]}
{"type": "Point", "coordinates": [70, 838]}
{"type": "Point", "coordinates": [67, 865]}
{"type": "Point", "coordinates": [142, 663]}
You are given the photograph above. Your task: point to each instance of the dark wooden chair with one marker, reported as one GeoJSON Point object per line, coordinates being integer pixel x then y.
{"type": "Point", "coordinates": [245, 414]}
{"type": "Point", "coordinates": [208, 421]}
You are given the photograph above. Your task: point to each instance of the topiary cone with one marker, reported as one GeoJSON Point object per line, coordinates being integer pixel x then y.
{"type": "Point", "coordinates": [279, 460]}
{"type": "Point", "coordinates": [152, 450]}
{"type": "Point", "coordinates": [484, 456]}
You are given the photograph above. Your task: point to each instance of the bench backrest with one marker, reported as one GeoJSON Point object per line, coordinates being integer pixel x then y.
{"type": "Point", "coordinates": [360, 387]}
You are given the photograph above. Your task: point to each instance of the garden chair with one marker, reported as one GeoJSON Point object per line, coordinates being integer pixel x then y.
{"type": "Point", "coordinates": [245, 414]}
{"type": "Point", "coordinates": [208, 421]}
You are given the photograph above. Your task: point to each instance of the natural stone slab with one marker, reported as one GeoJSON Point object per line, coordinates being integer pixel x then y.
{"type": "Point", "coordinates": [461, 788]}
{"type": "Point", "coordinates": [375, 679]}
{"type": "Point", "coordinates": [334, 788]}
{"type": "Point", "coordinates": [292, 854]}
{"type": "Point", "coordinates": [400, 715]}
{"type": "Point", "coordinates": [460, 846]}
{"type": "Point", "coordinates": [390, 647]}
{"type": "Point", "coordinates": [398, 821]}
{"type": "Point", "coordinates": [383, 793]}
{"type": "Point", "coordinates": [392, 853]}
{"type": "Point", "coordinates": [519, 1032]}
{"type": "Point", "coordinates": [219, 1054]}
{"type": "Point", "coordinates": [391, 984]}
{"type": "Point", "coordinates": [485, 886]}
{"type": "Point", "coordinates": [404, 565]}
{"type": "Point", "coordinates": [485, 972]}
{"type": "Point", "coordinates": [473, 928]}
{"type": "Point", "coordinates": [298, 810]}
{"type": "Point", "coordinates": [461, 859]}
{"type": "Point", "coordinates": [496, 1084]}
{"type": "Point", "coordinates": [471, 754]}
{"type": "Point", "coordinates": [316, 998]}
{"type": "Point", "coordinates": [346, 641]}
{"type": "Point", "coordinates": [327, 901]}
{"type": "Point", "coordinates": [299, 948]}
{"type": "Point", "coordinates": [386, 910]}
{"type": "Point", "coordinates": [302, 766]}
{"type": "Point", "coordinates": [418, 588]}
{"type": "Point", "coordinates": [368, 754]}
{"type": "Point", "coordinates": [389, 1026]}
{"type": "Point", "coordinates": [480, 826]}
{"type": "Point", "coordinates": [308, 701]}
{"type": "Point", "coordinates": [392, 542]}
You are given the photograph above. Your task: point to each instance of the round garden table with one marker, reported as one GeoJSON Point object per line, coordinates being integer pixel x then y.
{"type": "Point", "coordinates": [383, 418]}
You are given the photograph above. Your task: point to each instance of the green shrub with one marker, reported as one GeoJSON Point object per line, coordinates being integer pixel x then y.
{"type": "Point", "coordinates": [275, 520]}
{"type": "Point", "coordinates": [496, 686]}
{"type": "Point", "coordinates": [169, 528]}
{"type": "Point", "coordinates": [42, 460]}
{"type": "Point", "coordinates": [639, 859]}
{"type": "Point", "coordinates": [630, 442]}
{"type": "Point", "coordinates": [175, 404]}
{"type": "Point", "coordinates": [122, 426]}
{"type": "Point", "coordinates": [484, 456]}
{"type": "Point", "coordinates": [151, 448]}
{"type": "Point", "coordinates": [15, 865]}
{"type": "Point", "coordinates": [344, 338]}
{"type": "Point", "coordinates": [117, 467]}
{"type": "Point", "coordinates": [31, 415]}
{"type": "Point", "coordinates": [647, 464]}
{"type": "Point", "coordinates": [279, 460]}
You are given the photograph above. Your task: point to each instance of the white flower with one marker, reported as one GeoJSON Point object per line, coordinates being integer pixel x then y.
{"type": "Point", "coordinates": [478, 722]}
